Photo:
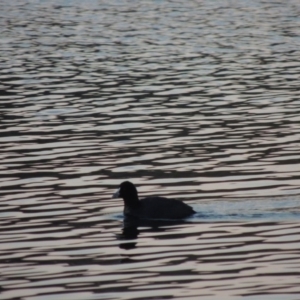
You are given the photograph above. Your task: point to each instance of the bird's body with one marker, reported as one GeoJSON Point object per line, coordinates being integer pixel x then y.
{"type": "Point", "coordinates": [154, 207]}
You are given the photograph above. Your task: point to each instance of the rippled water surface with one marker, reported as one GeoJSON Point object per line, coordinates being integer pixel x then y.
{"type": "Point", "coordinates": [195, 100]}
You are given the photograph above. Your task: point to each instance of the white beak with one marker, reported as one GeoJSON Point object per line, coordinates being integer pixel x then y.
{"type": "Point", "coordinates": [116, 194]}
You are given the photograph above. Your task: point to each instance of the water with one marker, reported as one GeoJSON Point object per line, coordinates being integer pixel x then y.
{"type": "Point", "coordinates": [197, 100]}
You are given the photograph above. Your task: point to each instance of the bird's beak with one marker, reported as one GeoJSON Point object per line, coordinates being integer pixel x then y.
{"type": "Point", "coordinates": [116, 194]}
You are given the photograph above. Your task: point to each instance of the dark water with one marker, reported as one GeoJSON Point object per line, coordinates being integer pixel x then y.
{"type": "Point", "coordinates": [198, 100]}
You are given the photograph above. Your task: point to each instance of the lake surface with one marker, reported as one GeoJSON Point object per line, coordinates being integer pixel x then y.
{"type": "Point", "coordinates": [195, 100]}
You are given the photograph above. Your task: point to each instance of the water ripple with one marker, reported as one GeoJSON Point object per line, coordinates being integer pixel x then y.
{"type": "Point", "coordinates": [193, 101]}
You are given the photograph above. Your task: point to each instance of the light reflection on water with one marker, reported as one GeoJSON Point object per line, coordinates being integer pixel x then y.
{"type": "Point", "coordinates": [197, 101]}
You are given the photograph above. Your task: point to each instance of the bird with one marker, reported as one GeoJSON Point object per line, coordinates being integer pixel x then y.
{"type": "Point", "coordinates": [153, 207]}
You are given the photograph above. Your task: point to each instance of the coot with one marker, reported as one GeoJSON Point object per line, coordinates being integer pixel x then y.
{"type": "Point", "coordinates": [151, 207]}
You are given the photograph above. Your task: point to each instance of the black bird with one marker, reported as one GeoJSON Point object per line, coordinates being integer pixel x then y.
{"type": "Point", "coordinates": [153, 207]}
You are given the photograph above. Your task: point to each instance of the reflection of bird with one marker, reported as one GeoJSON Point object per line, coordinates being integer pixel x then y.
{"type": "Point", "coordinates": [153, 207]}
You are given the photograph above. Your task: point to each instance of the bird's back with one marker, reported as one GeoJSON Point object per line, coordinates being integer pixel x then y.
{"type": "Point", "coordinates": [160, 208]}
